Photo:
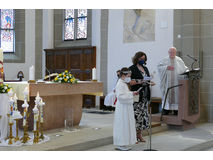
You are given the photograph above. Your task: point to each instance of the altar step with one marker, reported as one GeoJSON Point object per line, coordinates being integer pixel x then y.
{"type": "Point", "coordinates": [173, 121]}
{"type": "Point", "coordinates": [87, 145]}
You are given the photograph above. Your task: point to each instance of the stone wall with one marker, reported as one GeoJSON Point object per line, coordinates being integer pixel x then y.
{"type": "Point", "coordinates": [193, 35]}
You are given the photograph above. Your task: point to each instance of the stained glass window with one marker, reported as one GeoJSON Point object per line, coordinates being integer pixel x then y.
{"type": "Point", "coordinates": [75, 24]}
{"type": "Point", "coordinates": [82, 24]}
{"type": "Point", "coordinates": [7, 30]}
{"type": "Point", "coordinates": [69, 24]}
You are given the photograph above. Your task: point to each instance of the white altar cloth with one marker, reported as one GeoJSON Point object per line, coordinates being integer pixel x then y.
{"type": "Point", "coordinates": [4, 110]}
{"type": "Point", "coordinates": [18, 88]}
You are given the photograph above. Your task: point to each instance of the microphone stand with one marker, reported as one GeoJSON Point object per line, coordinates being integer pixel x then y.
{"type": "Point", "coordinates": [150, 124]}
{"type": "Point", "coordinates": [161, 117]}
{"type": "Point", "coordinates": [195, 60]}
{"type": "Point", "coordinates": [48, 72]}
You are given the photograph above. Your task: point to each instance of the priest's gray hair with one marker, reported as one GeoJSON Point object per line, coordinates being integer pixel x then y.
{"type": "Point", "coordinates": [173, 48]}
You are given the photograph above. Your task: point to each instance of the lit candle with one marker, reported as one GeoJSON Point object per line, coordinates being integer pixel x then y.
{"type": "Point", "coordinates": [24, 118]}
{"type": "Point", "coordinates": [37, 99]}
{"type": "Point", "coordinates": [25, 106]}
{"type": "Point", "coordinates": [11, 102]}
{"type": "Point", "coordinates": [15, 102]}
{"type": "Point", "coordinates": [41, 104]}
{"type": "Point", "coordinates": [35, 111]}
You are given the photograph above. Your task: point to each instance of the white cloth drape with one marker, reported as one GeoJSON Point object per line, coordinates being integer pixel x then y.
{"type": "Point", "coordinates": [170, 78]}
{"type": "Point", "coordinates": [4, 110]}
{"type": "Point", "coordinates": [110, 99]}
{"type": "Point", "coordinates": [124, 131]}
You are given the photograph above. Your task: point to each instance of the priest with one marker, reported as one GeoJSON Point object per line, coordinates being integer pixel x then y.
{"type": "Point", "coordinates": [169, 69]}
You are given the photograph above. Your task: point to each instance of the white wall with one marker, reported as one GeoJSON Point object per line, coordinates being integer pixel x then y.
{"type": "Point", "coordinates": [11, 69]}
{"type": "Point", "coordinates": [120, 54]}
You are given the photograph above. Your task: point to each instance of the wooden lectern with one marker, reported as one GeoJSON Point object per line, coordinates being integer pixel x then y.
{"type": "Point", "coordinates": [189, 103]}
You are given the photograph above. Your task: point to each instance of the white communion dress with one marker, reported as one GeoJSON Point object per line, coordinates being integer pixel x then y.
{"type": "Point", "coordinates": [124, 131]}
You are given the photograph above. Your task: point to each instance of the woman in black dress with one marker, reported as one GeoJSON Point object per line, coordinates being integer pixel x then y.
{"type": "Point", "coordinates": [140, 78]}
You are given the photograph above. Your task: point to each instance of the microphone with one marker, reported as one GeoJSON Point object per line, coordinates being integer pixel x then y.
{"type": "Point", "coordinates": [192, 58]}
{"type": "Point", "coordinates": [48, 72]}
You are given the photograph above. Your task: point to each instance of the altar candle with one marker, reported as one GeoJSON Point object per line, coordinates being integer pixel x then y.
{"type": "Point", "coordinates": [32, 73]}
{"type": "Point", "coordinates": [94, 74]}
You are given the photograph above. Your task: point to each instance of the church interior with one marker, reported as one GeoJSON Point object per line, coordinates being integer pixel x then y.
{"type": "Point", "coordinates": [60, 64]}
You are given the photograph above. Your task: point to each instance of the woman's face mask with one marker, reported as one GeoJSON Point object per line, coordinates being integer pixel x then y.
{"type": "Point", "coordinates": [127, 79]}
{"type": "Point", "coordinates": [141, 62]}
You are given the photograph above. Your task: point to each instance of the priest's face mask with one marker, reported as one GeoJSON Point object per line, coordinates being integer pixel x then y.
{"type": "Point", "coordinates": [172, 52]}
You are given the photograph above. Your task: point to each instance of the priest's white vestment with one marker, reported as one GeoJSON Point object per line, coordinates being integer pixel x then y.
{"type": "Point", "coordinates": [169, 78]}
{"type": "Point", "coordinates": [124, 131]}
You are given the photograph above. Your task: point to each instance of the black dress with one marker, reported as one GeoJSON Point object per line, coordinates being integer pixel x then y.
{"type": "Point", "coordinates": [141, 107]}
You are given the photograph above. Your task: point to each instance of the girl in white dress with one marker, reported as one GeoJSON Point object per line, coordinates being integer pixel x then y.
{"type": "Point", "coordinates": [124, 131]}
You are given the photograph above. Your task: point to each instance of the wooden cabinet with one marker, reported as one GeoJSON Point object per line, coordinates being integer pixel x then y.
{"type": "Point", "coordinates": [78, 60]}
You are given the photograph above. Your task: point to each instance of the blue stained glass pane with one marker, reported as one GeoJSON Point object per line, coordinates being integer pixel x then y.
{"type": "Point", "coordinates": [69, 13]}
{"type": "Point", "coordinates": [7, 40]}
{"type": "Point", "coordinates": [82, 28]}
{"type": "Point", "coordinates": [7, 19]}
{"type": "Point", "coordinates": [82, 12]}
{"type": "Point", "coordinates": [69, 29]}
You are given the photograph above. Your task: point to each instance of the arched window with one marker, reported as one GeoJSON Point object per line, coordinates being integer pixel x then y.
{"type": "Point", "coordinates": [7, 30]}
{"type": "Point", "coordinates": [75, 24]}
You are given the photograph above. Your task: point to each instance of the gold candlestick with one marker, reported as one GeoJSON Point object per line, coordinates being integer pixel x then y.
{"type": "Point", "coordinates": [36, 133]}
{"type": "Point", "coordinates": [11, 134]}
{"type": "Point", "coordinates": [41, 129]}
{"type": "Point", "coordinates": [17, 138]}
{"type": "Point", "coordinates": [26, 137]}
{"type": "Point", "coordinates": [35, 140]}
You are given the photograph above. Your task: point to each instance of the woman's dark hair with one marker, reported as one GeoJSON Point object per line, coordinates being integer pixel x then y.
{"type": "Point", "coordinates": [124, 71]}
{"type": "Point", "coordinates": [137, 56]}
